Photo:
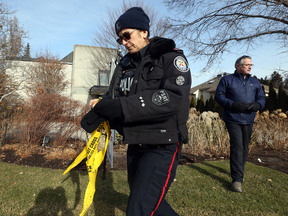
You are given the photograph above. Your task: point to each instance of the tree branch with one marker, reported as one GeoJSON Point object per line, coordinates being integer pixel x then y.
{"type": "Point", "coordinates": [215, 24]}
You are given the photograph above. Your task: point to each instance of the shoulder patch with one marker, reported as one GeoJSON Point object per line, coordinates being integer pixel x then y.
{"type": "Point", "coordinates": [181, 64]}
{"type": "Point", "coordinates": [180, 80]}
{"type": "Point", "coordinates": [160, 97]}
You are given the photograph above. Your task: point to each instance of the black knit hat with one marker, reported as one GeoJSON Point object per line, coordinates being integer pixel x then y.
{"type": "Point", "coordinates": [134, 17]}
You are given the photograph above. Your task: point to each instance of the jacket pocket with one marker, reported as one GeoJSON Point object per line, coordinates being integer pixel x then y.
{"type": "Point", "coordinates": [152, 77]}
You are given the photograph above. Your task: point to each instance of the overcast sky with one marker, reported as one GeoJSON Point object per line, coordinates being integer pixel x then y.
{"type": "Point", "coordinates": [57, 25]}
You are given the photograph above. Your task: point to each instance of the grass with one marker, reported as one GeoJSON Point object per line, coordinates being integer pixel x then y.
{"type": "Point", "coordinates": [199, 189]}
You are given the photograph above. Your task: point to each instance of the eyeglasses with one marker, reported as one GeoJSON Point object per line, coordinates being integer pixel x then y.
{"type": "Point", "coordinates": [248, 65]}
{"type": "Point", "coordinates": [126, 36]}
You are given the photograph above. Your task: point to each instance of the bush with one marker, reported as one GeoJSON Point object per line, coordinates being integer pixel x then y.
{"type": "Point", "coordinates": [212, 138]}
{"type": "Point", "coordinates": [8, 110]}
{"type": "Point", "coordinates": [46, 112]}
{"type": "Point", "coordinates": [270, 130]}
{"type": "Point", "coordinates": [207, 137]}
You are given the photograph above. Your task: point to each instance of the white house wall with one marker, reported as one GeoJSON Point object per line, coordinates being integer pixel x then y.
{"type": "Point", "coordinates": [81, 72]}
{"type": "Point", "coordinates": [16, 69]}
{"type": "Point", "coordinates": [84, 74]}
{"type": "Point", "coordinates": [206, 95]}
{"type": "Point", "coordinates": [68, 73]}
{"type": "Point", "coordinates": [197, 95]}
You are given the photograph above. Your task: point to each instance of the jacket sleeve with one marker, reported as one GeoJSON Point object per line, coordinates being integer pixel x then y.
{"type": "Point", "coordinates": [163, 92]}
{"type": "Point", "coordinates": [220, 94]}
{"type": "Point", "coordinates": [260, 96]}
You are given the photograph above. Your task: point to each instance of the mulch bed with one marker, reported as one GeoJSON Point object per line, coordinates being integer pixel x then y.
{"type": "Point", "coordinates": [274, 159]}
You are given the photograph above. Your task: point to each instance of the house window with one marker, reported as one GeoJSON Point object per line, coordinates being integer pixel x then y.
{"type": "Point", "coordinates": [104, 77]}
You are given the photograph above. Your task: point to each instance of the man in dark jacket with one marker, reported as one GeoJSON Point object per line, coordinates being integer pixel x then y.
{"type": "Point", "coordinates": [150, 87]}
{"type": "Point", "coordinates": [240, 96]}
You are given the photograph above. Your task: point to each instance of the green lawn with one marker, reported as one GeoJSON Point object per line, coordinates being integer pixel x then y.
{"type": "Point", "coordinates": [199, 189]}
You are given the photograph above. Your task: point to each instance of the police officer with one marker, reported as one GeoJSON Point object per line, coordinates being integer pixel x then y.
{"type": "Point", "coordinates": [150, 87]}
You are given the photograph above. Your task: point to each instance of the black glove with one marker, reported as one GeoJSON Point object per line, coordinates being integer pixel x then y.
{"type": "Point", "coordinates": [108, 108]}
{"type": "Point", "coordinates": [239, 107]}
{"type": "Point", "coordinates": [254, 107]}
{"type": "Point", "coordinates": [91, 121]}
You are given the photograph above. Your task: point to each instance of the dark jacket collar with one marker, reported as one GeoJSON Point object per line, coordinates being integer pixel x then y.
{"type": "Point", "coordinates": [159, 46]}
{"type": "Point", "coordinates": [241, 76]}
{"type": "Point", "coordinates": [139, 55]}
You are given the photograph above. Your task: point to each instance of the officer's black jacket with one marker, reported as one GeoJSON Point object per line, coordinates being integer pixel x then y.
{"type": "Point", "coordinates": [156, 110]}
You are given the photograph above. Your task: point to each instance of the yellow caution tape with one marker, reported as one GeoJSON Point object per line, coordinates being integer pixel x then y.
{"type": "Point", "coordinates": [94, 160]}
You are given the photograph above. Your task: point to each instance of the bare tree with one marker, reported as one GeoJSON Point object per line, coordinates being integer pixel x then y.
{"type": "Point", "coordinates": [105, 37]}
{"type": "Point", "coordinates": [46, 74]}
{"type": "Point", "coordinates": [209, 28]}
{"type": "Point", "coordinates": [11, 46]}
{"type": "Point", "coordinates": [11, 33]}
{"type": "Point", "coordinates": [276, 79]}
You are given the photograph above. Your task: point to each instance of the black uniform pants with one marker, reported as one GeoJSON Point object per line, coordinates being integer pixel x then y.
{"type": "Point", "coordinates": [240, 136]}
{"type": "Point", "coordinates": [151, 170]}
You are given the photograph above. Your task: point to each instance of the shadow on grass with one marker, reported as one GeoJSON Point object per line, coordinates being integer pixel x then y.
{"type": "Point", "coordinates": [226, 184]}
{"type": "Point", "coordinates": [50, 202]}
{"type": "Point", "coordinates": [106, 199]}
{"type": "Point", "coordinates": [75, 180]}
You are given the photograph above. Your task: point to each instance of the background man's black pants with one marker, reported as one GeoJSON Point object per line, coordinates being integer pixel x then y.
{"type": "Point", "coordinates": [151, 170]}
{"type": "Point", "coordinates": [240, 136]}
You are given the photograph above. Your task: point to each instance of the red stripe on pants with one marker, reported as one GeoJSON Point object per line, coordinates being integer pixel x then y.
{"type": "Point", "coordinates": [167, 180]}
